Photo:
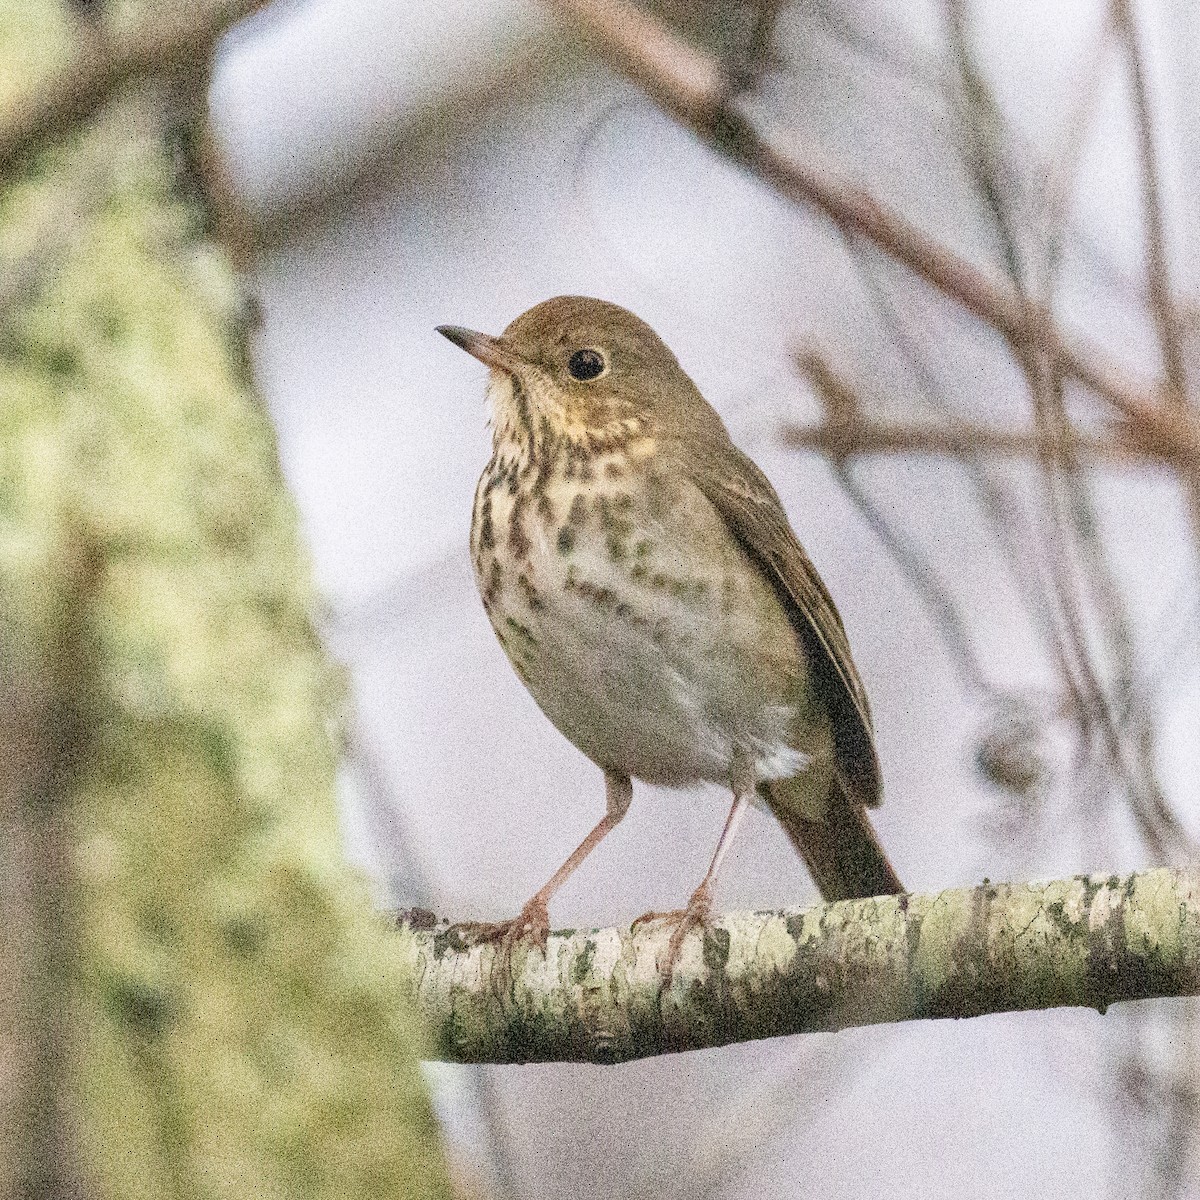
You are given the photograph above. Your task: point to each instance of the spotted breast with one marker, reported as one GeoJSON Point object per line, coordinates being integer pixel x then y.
{"type": "Point", "coordinates": [641, 629]}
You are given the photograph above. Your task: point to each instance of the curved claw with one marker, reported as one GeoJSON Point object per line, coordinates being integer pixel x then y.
{"type": "Point", "coordinates": [531, 924]}
{"type": "Point", "coordinates": [648, 918]}
{"type": "Point", "coordinates": [698, 912]}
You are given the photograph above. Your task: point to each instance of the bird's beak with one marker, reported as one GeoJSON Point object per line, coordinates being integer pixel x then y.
{"type": "Point", "coordinates": [490, 350]}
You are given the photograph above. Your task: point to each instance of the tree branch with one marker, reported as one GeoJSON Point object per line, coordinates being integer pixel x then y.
{"type": "Point", "coordinates": [960, 439]}
{"type": "Point", "coordinates": [1162, 302]}
{"type": "Point", "coordinates": [847, 430]}
{"type": "Point", "coordinates": [105, 66]}
{"type": "Point", "coordinates": [689, 84]}
{"type": "Point", "coordinates": [595, 995]}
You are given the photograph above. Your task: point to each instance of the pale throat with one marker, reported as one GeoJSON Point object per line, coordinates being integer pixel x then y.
{"type": "Point", "coordinates": [524, 416]}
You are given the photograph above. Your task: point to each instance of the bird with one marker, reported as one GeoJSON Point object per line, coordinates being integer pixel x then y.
{"type": "Point", "coordinates": [643, 579]}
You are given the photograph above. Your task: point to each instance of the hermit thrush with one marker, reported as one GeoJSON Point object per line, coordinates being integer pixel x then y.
{"type": "Point", "coordinates": [643, 579]}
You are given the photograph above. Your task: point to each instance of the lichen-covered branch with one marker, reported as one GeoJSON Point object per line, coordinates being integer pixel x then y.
{"type": "Point", "coordinates": [596, 996]}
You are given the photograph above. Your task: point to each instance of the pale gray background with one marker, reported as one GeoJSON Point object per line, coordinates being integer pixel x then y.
{"type": "Point", "coordinates": [450, 162]}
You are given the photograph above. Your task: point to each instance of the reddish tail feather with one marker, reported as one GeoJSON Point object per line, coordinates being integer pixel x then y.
{"type": "Point", "coordinates": [841, 851]}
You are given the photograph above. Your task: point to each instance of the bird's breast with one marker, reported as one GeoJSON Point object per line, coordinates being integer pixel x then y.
{"type": "Point", "coordinates": [638, 623]}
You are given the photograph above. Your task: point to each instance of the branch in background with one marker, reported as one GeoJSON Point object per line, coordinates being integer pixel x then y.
{"type": "Point", "coordinates": [1166, 314]}
{"type": "Point", "coordinates": [1162, 303]}
{"type": "Point", "coordinates": [596, 996]}
{"type": "Point", "coordinates": [922, 576]}
{"type": "Point", "coordinates": [690, 85]}
{"type": "Point", "coordinates": [842, 407]}
{"type": "Point", "coordinates": [319, 193]}
{"type": "Point", "coordinates": [877, 39]}
{"type": "Point", "coordinates": [1115, 621]}
{"type": "Point", "coordinates": [105, 66]}
{"type": "Point", "coordinates": [845, 431]}
{"type": "Point", "coordinates": [1061, 167]}
{"type": "Point", "coordinates": [984, 143]}
{"type": "Point", "coordinates": [753, 53]}
{"type": "Point", "coordinates": [962, 439]}
{"type": "Point", "coordinates": [1072, 522]}
{"type": "Point", "coordinates": [995, 495]}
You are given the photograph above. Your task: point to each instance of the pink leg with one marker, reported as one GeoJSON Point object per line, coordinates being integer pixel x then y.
{"type": "Point", "coordinates": [699, 907]}
{"type": "Point", "coordinates": [533, 921]}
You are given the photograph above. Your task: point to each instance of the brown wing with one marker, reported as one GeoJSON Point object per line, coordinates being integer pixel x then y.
{"type": "Point", "coordinates": [744, 497]}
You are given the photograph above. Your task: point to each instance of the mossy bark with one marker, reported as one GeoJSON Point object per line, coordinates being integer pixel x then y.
{"type": "Point", "coordinates": [597, 995]}
{"type": "Point", "coordinates": [181, 936]}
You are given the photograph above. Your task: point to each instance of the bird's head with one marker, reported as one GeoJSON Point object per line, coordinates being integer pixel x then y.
{"type": "Point", "coordinates": [583, 370]}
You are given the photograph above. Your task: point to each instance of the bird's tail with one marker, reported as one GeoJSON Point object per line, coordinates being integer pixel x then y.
{"type": "Point", "coordinates": [835, 839]}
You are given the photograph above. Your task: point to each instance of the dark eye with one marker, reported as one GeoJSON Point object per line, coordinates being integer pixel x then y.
{"type": "Point", "coordinates": [586, 364]}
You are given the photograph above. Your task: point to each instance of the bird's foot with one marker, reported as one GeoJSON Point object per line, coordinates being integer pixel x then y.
{"type": "Point", "coordinates": [697, 913]}
{"type": "Point", "coordinates": [649, 918]}
{"type": "Point", "coordinates": [531, 924]}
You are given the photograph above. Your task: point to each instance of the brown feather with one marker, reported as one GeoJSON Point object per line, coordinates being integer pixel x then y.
{"type": "Point", "coordinates": [744, 497]}
{"type": "Point", "coordinates": [838, 844]}
{"type": "Point", "coordinates": [840, 850]}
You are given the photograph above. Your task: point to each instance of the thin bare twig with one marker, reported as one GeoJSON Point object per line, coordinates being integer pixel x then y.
{"type": "Point", "coordinates": [1069, 506]}
{"type": "Point", "coordinates": [361, 168]}
{"type": "Point", "coordinates": [960, 439]}
{"type": "Point", "coordinates": [690, 85]}
{"type": "Point", "coordinates": [1162, 303]}
{"type": "Point", "coordinates": [1129, 704]}
{"type": "Point", "coordinates": [995, 497]}
{"type": "Point", "coordinates": [924, 580]}
{"type": "Point", "coordinates": [104, 67]}
{"type": "Point", "coordinates": [753, 53]}
{"type": "Point", "coordinates": [881, 42]}
{"type": "Point", "coordinates": [1156, 822]}
{"type": "Point", "coordinates": [842, 406]}
{"type": "Point", "coordinates": [985, 127]}
{"type": "Point", "coordinates": [984, 141]}
{"type": "Point", "coordinates": [1062, 168]}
